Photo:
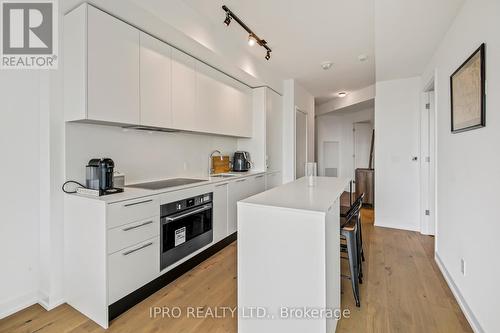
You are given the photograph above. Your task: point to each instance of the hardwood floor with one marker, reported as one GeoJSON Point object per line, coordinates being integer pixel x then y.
{"type": "Point", "coordinates": [403, 291]}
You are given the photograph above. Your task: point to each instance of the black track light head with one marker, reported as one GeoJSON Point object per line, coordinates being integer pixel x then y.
{"type": "Point", "coordinates": [227, 21]}
{"type": "Point", "coordinates": [268, 55]}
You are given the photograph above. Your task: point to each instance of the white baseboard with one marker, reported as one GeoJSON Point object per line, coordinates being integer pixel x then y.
{"type": "Point", "coordinates": [48, 305]}
{"type": "Point", "coordinates": [15, 304]}
{"type": "Point", "coordinates": [19, 303]}
{"type": "Point", "coordinates": [476, 327]}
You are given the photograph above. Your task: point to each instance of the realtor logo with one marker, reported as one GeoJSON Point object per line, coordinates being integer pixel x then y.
{"type": "Point", "coordinates": [29, 34]}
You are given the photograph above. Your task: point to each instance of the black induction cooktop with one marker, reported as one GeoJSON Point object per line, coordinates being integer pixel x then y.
{"type": "Point", "coordinates": [158, 185]}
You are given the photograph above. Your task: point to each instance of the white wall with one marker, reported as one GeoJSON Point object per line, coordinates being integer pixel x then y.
{"type": "Point", "coordinates": [296, 96]}
{"type": "Point", "coordinates": [337, 126]}
{"type": "Point", "coordinates": [20, 196]}
{"type": "Point", "coordinates": [397, 184]}
{"type": "Point", "coordinates": [467, 182]}
{"type": "Point", "coordinates": [141, 155]}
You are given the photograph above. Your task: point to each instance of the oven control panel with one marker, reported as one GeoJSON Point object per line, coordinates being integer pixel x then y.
{"type": "Point", "coordinates": [184, 204]}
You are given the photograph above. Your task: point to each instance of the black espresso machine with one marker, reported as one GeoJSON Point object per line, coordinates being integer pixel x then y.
{"type": "Point", "coordinates": [100, 176]}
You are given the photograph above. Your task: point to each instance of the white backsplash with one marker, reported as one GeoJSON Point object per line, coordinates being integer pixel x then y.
{"type": "Point", "coordinates": [141, 155]}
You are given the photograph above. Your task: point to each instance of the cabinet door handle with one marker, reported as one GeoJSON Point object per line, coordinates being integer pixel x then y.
{"type": "Point", "coordinates": [138, 203]}
{"type": "Point", "coordinates": [137, 249]}
{"type": "Point", "coordinates": [220, 185]}
{"type": "Point", "coordinates": [137, 226]}
{"type": "Point", "coordinates": [259, 177]}
{"type": "Point", "coordinates": [241, 180]}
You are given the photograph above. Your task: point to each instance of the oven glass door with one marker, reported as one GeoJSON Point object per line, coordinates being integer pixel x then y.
{"type": "Point", "coordinates": [182, 227]}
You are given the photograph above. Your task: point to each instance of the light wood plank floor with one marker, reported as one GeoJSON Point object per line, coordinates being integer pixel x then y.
{"type": "Point", "coordinates": [403, 291]}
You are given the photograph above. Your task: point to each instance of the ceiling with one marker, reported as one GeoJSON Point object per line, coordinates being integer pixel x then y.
{"type": "Point", "coordinates": [408, 33]}
{"type": "Point", "coordinates": [303, 34]}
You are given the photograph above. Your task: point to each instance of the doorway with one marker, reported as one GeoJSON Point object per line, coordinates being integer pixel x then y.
{"type": "Point", "coordinates": [300, 143]}
{"type": "Point", "coordinates": [362, 142]}
{"type": "Point", "coordinates": [427, 162]}
{"type": "Point", "coordinates": [331, 162]}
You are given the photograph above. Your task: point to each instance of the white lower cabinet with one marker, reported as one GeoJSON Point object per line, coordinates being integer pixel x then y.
{"type": "Point", "coordinates": [132, 233]}
{"type": "Point", "coordinates": [239, 190]}
{"type": "Point", "coordinates": [273, 179]}
{"type": "Point", "coordinates": [133, 267]}
{"type": "Point", "coordinates": [113, 248]}
{"type": "Point", "coordinates": [257, 185]}
{"type": "Point", "coordinates": [220, 204]}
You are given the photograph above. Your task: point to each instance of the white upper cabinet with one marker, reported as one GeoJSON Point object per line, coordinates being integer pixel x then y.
{"type": "Point", "coordinates": [224, 104]}
{"type": "Point", "coordinates": [113, 69]}
{"type": "Point", "coordinates": [101, 68]}
{"type": "Point", "coordinates": [183, 91]}
{"type": "Point", "coordinates": [116, 74]}
{"type": "Point", "coordinates": [156, 82]}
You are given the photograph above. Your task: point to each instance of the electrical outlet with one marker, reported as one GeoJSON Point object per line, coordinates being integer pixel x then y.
{"type": "Point", "coordinates": [462, 266]}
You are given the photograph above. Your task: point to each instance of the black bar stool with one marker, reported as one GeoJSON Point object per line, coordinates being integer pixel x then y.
{"type": "Point", "coordinates": [343, 213]}
{"type": "Point", "coordinates": [349, 232]}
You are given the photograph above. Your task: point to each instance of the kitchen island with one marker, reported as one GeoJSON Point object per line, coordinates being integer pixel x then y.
{"type": "Point", "coordinates": [289, 258]}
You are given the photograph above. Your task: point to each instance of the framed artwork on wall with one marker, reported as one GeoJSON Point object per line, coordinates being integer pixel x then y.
{"type": "Point", "coordinates": [468, 95]}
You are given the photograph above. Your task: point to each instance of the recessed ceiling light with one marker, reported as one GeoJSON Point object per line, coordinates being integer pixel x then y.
{"type": "Point", "coordinates": [326, 65]}
{"type": "Point", "coordinates": [342, 94]}
{"type": "Point", "coordinates": [362, 57]}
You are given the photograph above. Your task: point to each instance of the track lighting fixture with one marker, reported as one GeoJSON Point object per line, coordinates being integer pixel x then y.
{"type": "Point", "coordinates": [252, 37]}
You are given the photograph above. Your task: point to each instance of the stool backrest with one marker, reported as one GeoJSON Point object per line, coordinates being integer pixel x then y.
{"type": "Point", "coordinates": [355, 208]}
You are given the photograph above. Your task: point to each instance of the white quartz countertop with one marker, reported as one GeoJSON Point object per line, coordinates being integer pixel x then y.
{"type": "Point", "coordinates": [299, 195]}
{"type": "Point", "coordinates": [136, 193]}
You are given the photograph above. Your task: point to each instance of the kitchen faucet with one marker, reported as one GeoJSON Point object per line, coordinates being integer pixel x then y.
{"type": "Point", "coordinates": [210, 169]}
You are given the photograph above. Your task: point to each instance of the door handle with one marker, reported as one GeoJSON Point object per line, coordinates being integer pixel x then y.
{"type": "Point", "coordinates": [137, 226]}
{"type": "Point", "coordinates": [137, 249]}
{"type": "Point", "coordinates": [191, 212]}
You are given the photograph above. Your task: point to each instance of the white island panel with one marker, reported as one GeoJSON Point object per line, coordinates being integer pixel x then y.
{"type": "Point", "coordinates": [289, 257]}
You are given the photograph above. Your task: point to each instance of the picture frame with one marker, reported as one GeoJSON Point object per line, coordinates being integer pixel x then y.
{"type": "Point", "coordinates": [468, 93]}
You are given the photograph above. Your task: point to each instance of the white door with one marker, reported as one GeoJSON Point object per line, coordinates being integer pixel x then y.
{"type": "Point", "coordinates": [331, 153]}
{"type": "Point", "coordinates": [300, 143]}
{"type": "Point", "coordinates": [362, 144]}
{"type": "Point", "coordinates": [113, 69]}
{"type": "Point", "coordinates": [156, 82]}
{"type": "Point", "coordinates": [427, 165]}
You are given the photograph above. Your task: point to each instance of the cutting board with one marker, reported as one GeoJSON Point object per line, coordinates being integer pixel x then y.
{"type": "Point", "coordinates": [221, 164]}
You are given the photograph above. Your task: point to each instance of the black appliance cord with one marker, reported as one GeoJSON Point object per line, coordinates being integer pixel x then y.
{"type": "Point", "coordinates": [71, 182]}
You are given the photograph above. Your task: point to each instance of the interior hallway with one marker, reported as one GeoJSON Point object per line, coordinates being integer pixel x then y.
{"type": "Point", "coordinates": [402, 291]}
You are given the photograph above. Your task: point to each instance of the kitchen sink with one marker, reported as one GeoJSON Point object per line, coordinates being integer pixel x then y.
{"type": "Point", "coordinates": [222, 176]}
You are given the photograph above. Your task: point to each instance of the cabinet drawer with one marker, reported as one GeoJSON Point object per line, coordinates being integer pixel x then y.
{"type": "Point", "coordinates": [133, 267]}
{"type": "Point", "coordinates": [121, 213]}
{"type": "Point", "coordinates": [132, 233]}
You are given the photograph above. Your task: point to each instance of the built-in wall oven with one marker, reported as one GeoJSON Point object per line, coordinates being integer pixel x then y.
{"type": "Point", "coordinates": [186, 226]}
